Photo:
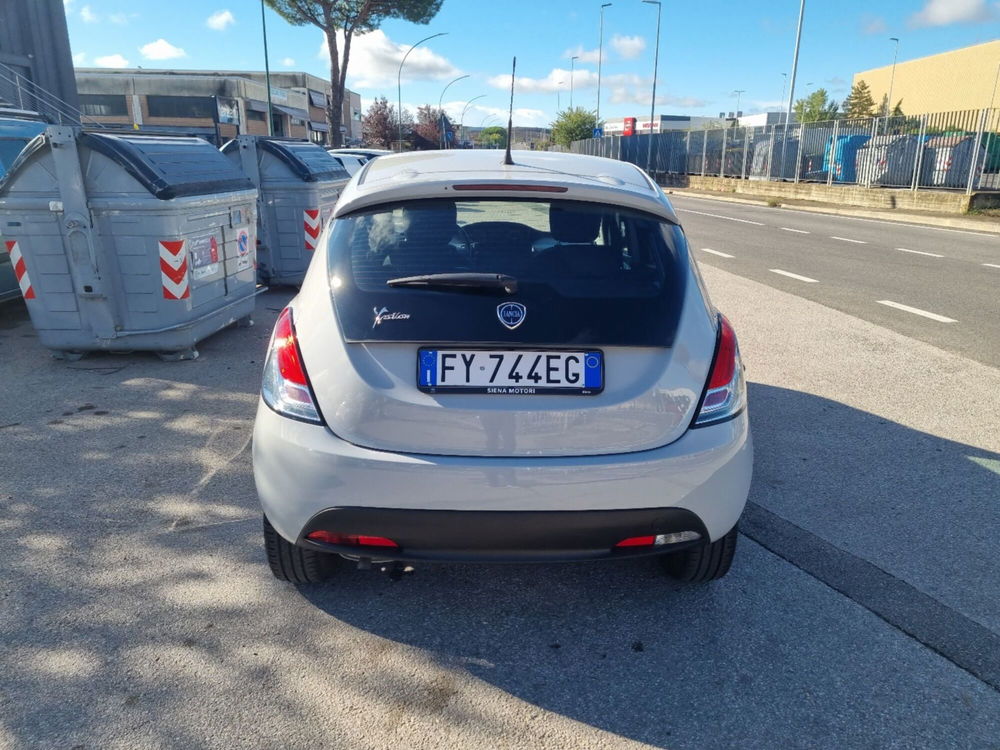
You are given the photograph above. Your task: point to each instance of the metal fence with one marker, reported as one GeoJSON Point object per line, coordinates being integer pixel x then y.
{"type": "Point", "coordinates": [944, 150]}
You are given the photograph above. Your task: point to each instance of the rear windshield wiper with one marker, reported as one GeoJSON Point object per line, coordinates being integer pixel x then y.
{"type": "Point", "coordinates": [465, 280]}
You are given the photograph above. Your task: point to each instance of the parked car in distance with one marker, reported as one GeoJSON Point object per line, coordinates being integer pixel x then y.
{"type": "Point", "coordinates": [492, 362]}
{"type": "Point", "coordinates": [365, 154]}
{"type": "Point", "coordinates": [349, 162]}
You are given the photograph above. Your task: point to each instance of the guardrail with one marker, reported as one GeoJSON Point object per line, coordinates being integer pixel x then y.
{"type": "Point", "coordinates": [944, 150]}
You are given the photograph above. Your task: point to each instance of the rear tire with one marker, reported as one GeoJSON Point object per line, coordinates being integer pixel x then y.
{"type": "Point", "coordinates": [295, 564]}
{"type": "Point", "coordinates": [707, 562]}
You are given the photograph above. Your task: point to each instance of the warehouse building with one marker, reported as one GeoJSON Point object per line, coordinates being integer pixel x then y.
{"type": "Point", "coordinates": [961, 79]}
{"type": "Point", "coordinates": [216, 105]}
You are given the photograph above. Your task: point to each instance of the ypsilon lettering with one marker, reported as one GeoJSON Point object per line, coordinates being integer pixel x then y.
{"type": "Point", "coordinates": [384, 314]}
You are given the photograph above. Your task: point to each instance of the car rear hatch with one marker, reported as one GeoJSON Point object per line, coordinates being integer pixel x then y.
{"type": "Point", "coordinates": [507, 327]}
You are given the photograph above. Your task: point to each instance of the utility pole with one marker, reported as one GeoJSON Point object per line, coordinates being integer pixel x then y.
{"type": "Point", "coordinates": [739, 94]}
{"type": "Point", "coordinates": [656, 64]}
{"type": "Point", "coordinates": [267, 71]}
{"type": "Point", "coordinates": [600, 62]}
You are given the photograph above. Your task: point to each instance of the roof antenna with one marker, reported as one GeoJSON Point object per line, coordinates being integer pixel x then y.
{"type": "Point", "coordinates": [507, 160]}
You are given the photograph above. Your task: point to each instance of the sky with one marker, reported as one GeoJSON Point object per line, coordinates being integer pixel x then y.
{"type": "Point", "coordinates": [707, 49]}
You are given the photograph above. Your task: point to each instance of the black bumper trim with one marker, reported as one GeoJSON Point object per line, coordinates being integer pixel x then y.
{"type": "Point", "coordinates": [502, 536]}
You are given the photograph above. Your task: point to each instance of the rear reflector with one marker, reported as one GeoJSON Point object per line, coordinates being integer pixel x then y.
{"type": "Point", "coordinates": [506, 187]}
{"type": "Point", "coordinates": [637, 541]}
{"type": "Point", "coordinates": [660, 539]}
{"type": "Point", "coordinates": [355, 540]}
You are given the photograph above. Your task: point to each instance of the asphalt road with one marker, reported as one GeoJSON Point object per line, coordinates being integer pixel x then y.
{"type": "Point", "coordinates": [863, 610]}
{"type": "Point", "coordinates": [950, 279]}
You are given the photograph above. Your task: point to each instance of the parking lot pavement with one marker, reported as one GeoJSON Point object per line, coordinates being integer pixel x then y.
{"type": "Point", "coordinates": [137, 610]}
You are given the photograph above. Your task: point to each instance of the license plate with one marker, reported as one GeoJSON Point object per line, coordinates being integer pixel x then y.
{"type": "Point", "coordinates": [506, 372]}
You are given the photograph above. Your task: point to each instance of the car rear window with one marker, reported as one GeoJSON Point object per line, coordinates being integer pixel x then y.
{"type": "Point", "coordinates": [571, 257]}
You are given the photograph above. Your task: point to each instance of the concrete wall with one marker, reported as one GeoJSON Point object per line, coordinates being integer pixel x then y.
{"type": "Point", "coordinates": [942, 201]}
{"type": "Point", "coordinates": [948, 82]}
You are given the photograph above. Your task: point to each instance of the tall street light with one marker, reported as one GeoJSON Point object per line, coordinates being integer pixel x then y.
{"type": "Point", "coordinates": [441, 111]}
{"type": "Point", "coordinates": [461, 121]}
{"type": "Point", "coordinates": [795, 64]}
{"type": "Point", "coordinates": [559, 86]}
{"type": "Point", "coordinates": [267, 71]}
{"type": "Point", "coordinates": [656, 64]}
{"type": "Point", "coordinates": [399, 81]}
{"type": "Point", "coordinates": [784, 86]}
{"type": "Point", "coordinates": [600, 62]}
{"type": "Point", "coordinates": [739, 94]}
{"type": "Point", "coordinates": [572, 66]}
{"type": "Point", "coordinates": [892, 76]}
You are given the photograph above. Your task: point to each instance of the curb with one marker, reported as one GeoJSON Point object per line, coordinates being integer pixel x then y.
{"type": "Point", "coordinates": [936, 221]}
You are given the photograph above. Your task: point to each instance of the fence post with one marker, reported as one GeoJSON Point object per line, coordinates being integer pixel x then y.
{"type": "Point", "coordinates": [832, 158]}
{"type": "Point", "coordinates": [722, 160]}
{"type": "Point", "coordinates": [770, 153]}
{"type": "Point", "coordinates": [975, 153]}
{"type": "Point", "coordinates": [921, 147]}
{"type": "Point", "coordinates": [704, 151]}
{"type": "Point", "coordinates": [746, 151]}
{"type": "Point", "coordinates": [798, 155]}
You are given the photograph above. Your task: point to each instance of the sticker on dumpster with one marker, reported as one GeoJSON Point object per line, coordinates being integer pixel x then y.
{"type": "Point", "coordinates": [243, 260]}
{"type": "Point", "coordinates": [312, 227]}
{"type": "Point", "coordinates": [20, 269]}
{"type": "Point", "coordinates": [174, 269]}
{"type": "Point", "coordinates": [204, 253]}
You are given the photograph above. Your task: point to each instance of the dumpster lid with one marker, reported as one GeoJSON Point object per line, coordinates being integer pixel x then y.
{"type": "Point", "coordinates": [308, 161]}
{"type": "Point", "coordinates": [169, 166]}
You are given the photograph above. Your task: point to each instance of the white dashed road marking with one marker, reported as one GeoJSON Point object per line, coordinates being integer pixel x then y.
{"type": "Point", "coordinates": [791, 275]}
{"type": "Point", "coordinates": [716, 252]}
{"type": "Point", "coordinates": [848, 239]}
{"type": "Point", "coordinates": [916, 311]}
{"type": "Point", "coordinates": [991, 265]}
{"type": "Point", "coordinates": [720, 216]}
{"type": "Point", "coordinates": [919, 252]}
{"type": "Point", "coordinates": [797, 231]}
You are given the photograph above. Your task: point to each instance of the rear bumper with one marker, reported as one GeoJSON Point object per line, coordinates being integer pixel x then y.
{"type": "Point", "coordinates": [304, 471]}
{"type": "Point", "coordinates": [503, 536]}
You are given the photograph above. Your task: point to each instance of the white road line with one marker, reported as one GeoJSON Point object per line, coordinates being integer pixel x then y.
{"type": "Point", "coordinates": [716, 252]}
{"type": "Point", "coordinates": [791, 275]}
{"type": "Point", "coordinates": [843, 216]}
{"type": "Point", "coordinates": [720, 216]}
{"type": "Point", "coordinates": [797, 231]}
{"type": "Point", "coordinates": [915, 311]}
{"type": "Point", "coordinates": [991, 265]}
{"type": "Point", "coordinates": [848, 239]}
{"type": "Point", "coordinates": [919, 252]}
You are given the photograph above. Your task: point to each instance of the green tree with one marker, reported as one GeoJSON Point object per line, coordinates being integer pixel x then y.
{"type": "Point", "coordinates": [815, 108]}
{"type": "Point", "coordinates": [493, 137]}
{"type": "Point", "coordinates": [348, 17]}
{"type": "Point", "coordinates": [883, 109]}
{"type": "Point", "coordinates": [859, 104]}
{"type": "Point", "coordinates": [573, 125]}
{"type": "Point", "coordinates": [379, 124]}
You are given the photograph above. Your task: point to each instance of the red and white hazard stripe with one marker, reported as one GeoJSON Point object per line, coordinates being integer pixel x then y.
{"type": "Point", "coordinates": [174, 269]}
{"type": "Point", "coordinates": [312, 226]}
{"type": "Point", "coordinates": [20, 269]}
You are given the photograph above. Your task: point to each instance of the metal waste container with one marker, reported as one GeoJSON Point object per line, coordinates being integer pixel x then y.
{"type": "Point", "coordinates": [128, 242]}
{"type": "Point", "coordinates": [15, 132]}
{"type": "Point", "coordinates": [948, 160]}
{"type": "Point", "coordinates": [299, 184]}
{"type": "Point", "coordinates": [887, 161]}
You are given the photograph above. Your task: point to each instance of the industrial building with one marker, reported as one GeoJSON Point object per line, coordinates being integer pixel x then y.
{"type": "Point", "coordinates": [961, 79]}
{"type": "Point", "coordinates": [217, 105]}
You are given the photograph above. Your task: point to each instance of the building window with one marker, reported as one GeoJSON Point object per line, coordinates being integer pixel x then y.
{"type": "Point", "coordinates": [317, 137]}
{"type": "Point", "coordinates": [181, 106]}
{"type": "Point", "coordinates": [253, 114]}
{"type": "Point", "coordinates": [103, 105]}
{"type": "Point", "coordinates": [296, 121]}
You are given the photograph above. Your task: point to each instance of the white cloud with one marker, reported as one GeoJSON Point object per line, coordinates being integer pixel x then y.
{"type": "Point", "coordinates": [79, 58]}
{"type": "Point", "coordinates": [872, 24]}
{"type": "Point", "coordinates": [586, 56]}
{"type": "Point", "coordinates": [629, 47]}
{"type": "Point", "coordinates": [288, 62]}
{"type": "Point", "coordinates": [639, 95]}
{"type": "Point", "coordinates": [375, 60]}
{"type": "Point", "coordinates": [119, 19]}
{"type": "Point", "coordinates": [161, 49]}
{"type": "Point", "coordinates": [476, 113]}
{"type": "Point", "coordinates": [220, 20]}
{"type": "Point", "coordinates": [88, 15]}
{"type": "Point", "coordinates": [111, 61]}
{"type": "Point", "coordinates": [947, 12]}
{"type": "Point", "coordinates": [557, 80]}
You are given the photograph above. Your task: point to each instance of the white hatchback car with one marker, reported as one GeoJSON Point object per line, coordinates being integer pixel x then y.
{"type": "Point", "coordinates": [492, 362]}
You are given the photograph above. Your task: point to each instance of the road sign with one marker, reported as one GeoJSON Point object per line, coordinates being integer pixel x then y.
{"type": "Point", "coordinates": [598, 132]}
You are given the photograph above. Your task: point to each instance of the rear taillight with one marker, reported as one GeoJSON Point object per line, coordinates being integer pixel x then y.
{"type": "Point", "coordinates": [726, 390]}
{"type": "Point", "coordinates": [286, 385]}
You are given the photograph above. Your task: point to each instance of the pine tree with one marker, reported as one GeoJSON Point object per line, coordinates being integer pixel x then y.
{"type": "Point", "coordinates": [815, 107]}
{"type": "Point", "coordinates": [859, 104]}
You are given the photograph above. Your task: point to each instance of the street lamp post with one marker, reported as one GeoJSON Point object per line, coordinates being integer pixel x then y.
{"type": "Point", "coordinates": [399, 81]}
{"type": "Point", "coordinates": [656, 64]}
{"type": "Point", "coordinates": [600, 62]}
{"type": "Point", "coordinates": [784, 86]}
{"type": "Point", "coordinates": [461, 121]}
{"type": "Point", "coordinates": [892, 76]}
{"type": "Point", "coordinates": [791, 90]}
{"type": "Point", "coordinates": [267, 71]}
{"type": "Point", "coordinates": [572, 67]}
{"type": "Point", "coordinates": [739, 95]}
{"type": "Point", "coordinates": [443, 142]}
{"type": "Point", "coordinates": [559, 86]}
